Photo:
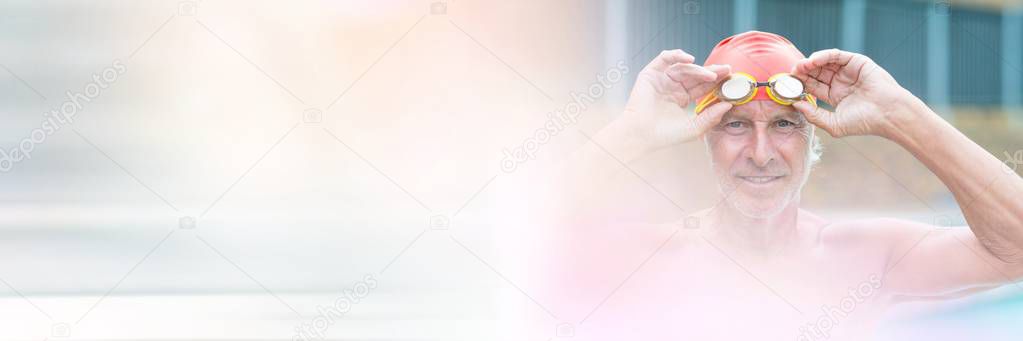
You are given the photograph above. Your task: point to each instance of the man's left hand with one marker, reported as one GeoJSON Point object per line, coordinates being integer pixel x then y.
{"type": "Point", "coordinates": [866, 98]}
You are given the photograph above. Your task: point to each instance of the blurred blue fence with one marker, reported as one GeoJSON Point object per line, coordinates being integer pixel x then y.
{"type": "Point", "coordinates": [949, 54]}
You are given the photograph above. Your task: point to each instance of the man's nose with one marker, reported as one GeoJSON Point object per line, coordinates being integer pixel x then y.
{"type": "Point", "coordinates": [764, 149]}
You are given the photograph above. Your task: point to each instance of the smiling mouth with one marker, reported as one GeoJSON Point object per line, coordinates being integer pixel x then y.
{"type": "Point", "coordinates": [759, 179]}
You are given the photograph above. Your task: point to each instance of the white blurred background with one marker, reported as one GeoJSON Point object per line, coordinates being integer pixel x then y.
{"type": "Point", "coordinates": [216, 118]}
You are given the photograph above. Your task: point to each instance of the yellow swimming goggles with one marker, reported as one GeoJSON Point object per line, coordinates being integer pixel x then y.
{"type": "Point", "coordinates": [740, 88]}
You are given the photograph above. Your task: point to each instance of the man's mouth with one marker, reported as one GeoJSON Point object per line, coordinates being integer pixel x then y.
{"type": "Point", "coordinates": [758, 180]}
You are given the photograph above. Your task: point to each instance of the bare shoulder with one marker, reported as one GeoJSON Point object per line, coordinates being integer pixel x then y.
{"type": "Point", "coordinates": [874, 231]}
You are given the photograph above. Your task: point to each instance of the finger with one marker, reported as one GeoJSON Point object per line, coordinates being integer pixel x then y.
{"type": "Point", "coordinates": [815, 115]}
{"type": "Point", "coordinates": [820, 90]}
{"type": "Point", "coordinates": [696, 81]}
{"type": "Point", "coordinates": [831, 56]}
{"type": "Point", "coordinates": [815, 87]}
{"type": "Point", "coordinates": [670, 57]}
{"type": "Point", "coordinates": [689, 74]}
{"type": "Point", "coordinates": [805, 67]}
{"type": "Point", "coordinates": [721, 70]}
{"type": "Point", "coordinates": [710, 117]}
{"type": "Point", "coordinates": [827, 74]}
{"type": "Point", "coordinates": [802, 67]}
{"type": "Point", "coordinates": [702, 89]}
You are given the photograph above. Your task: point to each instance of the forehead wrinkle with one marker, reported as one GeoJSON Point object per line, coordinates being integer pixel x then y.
{"type": "Point", "coordinates": [758, 111]}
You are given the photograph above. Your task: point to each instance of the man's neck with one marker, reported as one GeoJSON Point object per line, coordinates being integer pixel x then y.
{"type": "Point", "coordinates": [754, 236]}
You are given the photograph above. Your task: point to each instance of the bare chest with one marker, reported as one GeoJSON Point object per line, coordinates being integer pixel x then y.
{"type": "Point", "coordinates": [707, 292]}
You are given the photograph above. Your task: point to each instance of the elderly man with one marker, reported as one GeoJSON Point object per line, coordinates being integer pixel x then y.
{"type": "Point", "coordinates": [761, 267]}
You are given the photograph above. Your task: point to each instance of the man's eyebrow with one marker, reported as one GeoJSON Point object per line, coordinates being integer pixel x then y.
{"type": "Point", "coordinates": [793, 115]}
{"type": "Point", "coordinates": [733, 115]}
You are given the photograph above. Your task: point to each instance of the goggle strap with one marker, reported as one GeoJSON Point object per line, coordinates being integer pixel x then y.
{"type": "Point", "coordinates": [705, 102]}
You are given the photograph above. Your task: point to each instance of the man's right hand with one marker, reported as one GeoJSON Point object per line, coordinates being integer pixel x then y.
{"type": "Point", "coordinates": [655, 115]}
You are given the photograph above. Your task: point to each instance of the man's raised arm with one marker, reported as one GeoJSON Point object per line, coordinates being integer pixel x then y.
{"type": "Point", "coordinates": [868, 101]}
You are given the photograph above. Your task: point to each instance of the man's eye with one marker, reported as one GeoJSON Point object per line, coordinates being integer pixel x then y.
{"type": "Point", "coordinates": [735, 124]}
{"type": "Point", "coordinates": [786, 124]}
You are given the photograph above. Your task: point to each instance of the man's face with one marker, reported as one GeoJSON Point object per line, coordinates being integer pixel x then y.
{"type": "Point", "coordinates": [760, 155]}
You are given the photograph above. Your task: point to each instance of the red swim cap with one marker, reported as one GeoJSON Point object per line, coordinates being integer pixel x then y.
{"type": "Point", "coordinates": [760, 54]}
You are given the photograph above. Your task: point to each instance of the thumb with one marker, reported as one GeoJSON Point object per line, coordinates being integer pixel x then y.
{"type": "Point", "coordinates": [819, 117]}
{"type": "Point", "coordinates": [710, 117]}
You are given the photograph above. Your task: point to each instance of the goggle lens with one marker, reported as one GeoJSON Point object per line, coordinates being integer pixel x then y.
{"type": "Point", "coordinates": [736, 88]}
{"type": "Point", "coordinates": [787, 87]}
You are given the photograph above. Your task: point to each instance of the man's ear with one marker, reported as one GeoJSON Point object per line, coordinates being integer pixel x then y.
{"type": "Point", "coordinates": [814, 147]}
